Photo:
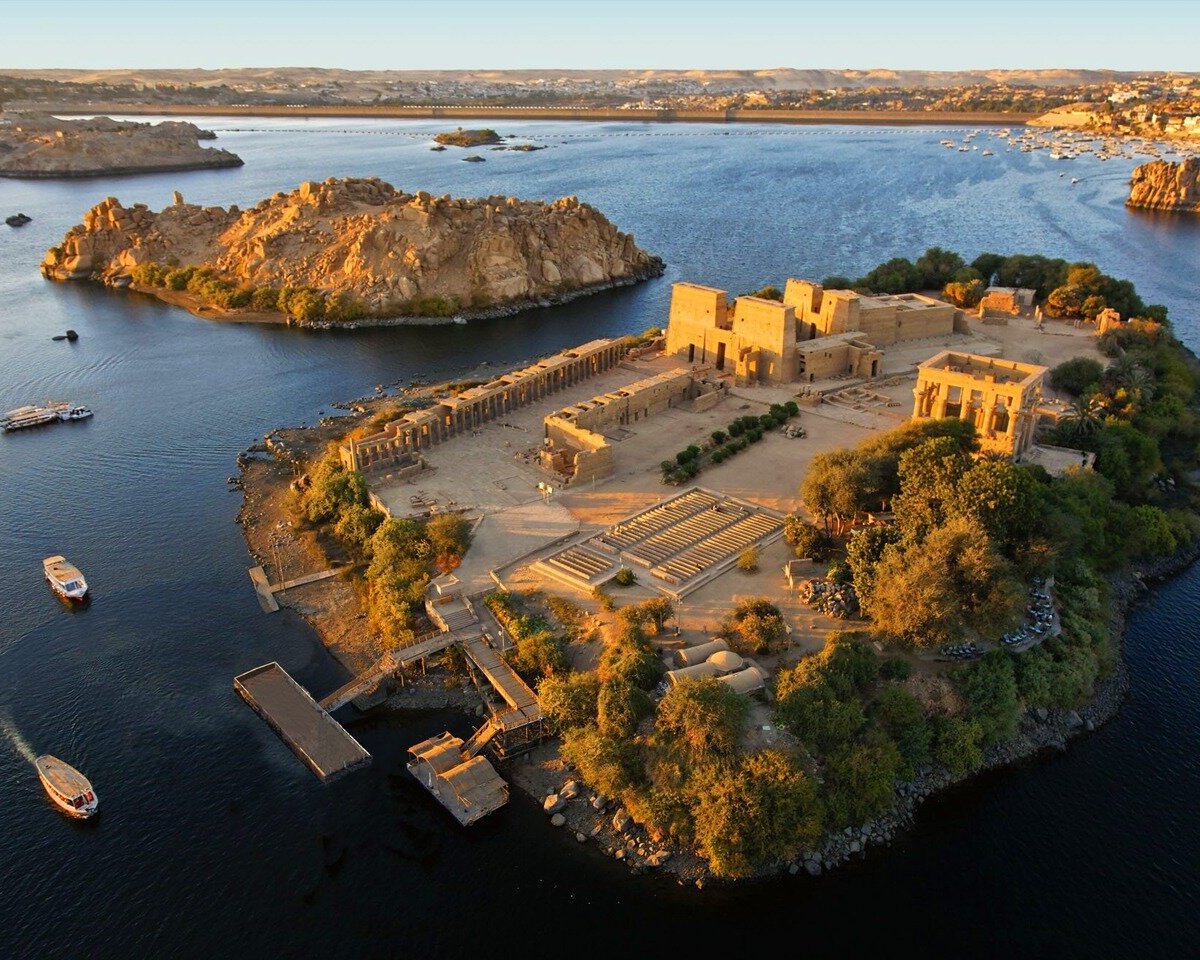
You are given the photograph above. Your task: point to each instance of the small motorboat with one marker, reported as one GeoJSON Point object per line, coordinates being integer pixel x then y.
{"type": "Point", "coordinates": [65, 578]}
{"type": "Point", "coordinates": [74, 413]}
{"type": "Point", "coordinates": [67, 787]}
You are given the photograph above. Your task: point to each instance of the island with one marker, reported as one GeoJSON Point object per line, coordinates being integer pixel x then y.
{"type": "Point", "coordinates": [751, 588]}
{"type": "Point", "coordinates": [469, 138]}
{"type": "Point", "coordinates": [354, 252]}
{"type": "Point", "coordinates": [40, 146]}
{"type": "Point", "coordinates": [1163, 185]}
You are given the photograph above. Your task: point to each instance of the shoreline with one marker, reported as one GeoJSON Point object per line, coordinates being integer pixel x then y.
{"type": "Point", "coordinates": [542, 777]}
{"type": "Point", "coordinates": [121, 171]}
{"type": "Point", "coordinates": [665, 115]}
{"type": "Point", "coordinates": [188, 302]}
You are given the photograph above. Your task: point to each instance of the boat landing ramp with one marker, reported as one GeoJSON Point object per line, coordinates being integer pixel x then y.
{"type": "Point", "coordinates": [315, 737]}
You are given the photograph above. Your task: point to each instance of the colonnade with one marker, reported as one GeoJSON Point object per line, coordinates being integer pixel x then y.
{"type": "Point", "coordinates": [472, 408]}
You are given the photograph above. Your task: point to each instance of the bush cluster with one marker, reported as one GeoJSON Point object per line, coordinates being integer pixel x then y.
{"type": "Point", "coordinates": [725, 443]}
{"type": "Point", "coordinates": [394, 558]}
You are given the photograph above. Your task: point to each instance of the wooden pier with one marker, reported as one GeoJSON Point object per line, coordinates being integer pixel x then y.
{"type": "Point", "coordinates": [266, 590]}
{"type": "Point", "coordinates": [315, 737]}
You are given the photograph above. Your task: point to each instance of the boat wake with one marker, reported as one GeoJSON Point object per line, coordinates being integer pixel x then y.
{"type": "Point", "coordinates": [18, 742]}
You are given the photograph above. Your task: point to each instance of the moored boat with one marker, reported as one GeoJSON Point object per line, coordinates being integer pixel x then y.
{"type": "Point", "coordinates": [23, 418]}
{"type": "Point", "coordinates": [65, 578]}
{"type": "Point", "coordinates": [67, 787]}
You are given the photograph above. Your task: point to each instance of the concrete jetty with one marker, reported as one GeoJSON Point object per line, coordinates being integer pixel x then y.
{"type": "Point", "coordinates": [315, 737]}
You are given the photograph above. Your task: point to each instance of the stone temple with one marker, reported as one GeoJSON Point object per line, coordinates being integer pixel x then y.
{"type": "Point", "coordinates": [813, 334]}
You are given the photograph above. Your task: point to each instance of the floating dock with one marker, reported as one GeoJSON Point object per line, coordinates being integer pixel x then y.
{"type": "Point", "coordinates": [315, 737]}
{"type": "Point", "coordinates": [469, 788]}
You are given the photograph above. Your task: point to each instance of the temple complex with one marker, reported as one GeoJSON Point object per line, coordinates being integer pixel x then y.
{"type": "Point", "coordinates": [1000, 397]}
{"type": "Point", "coordinates": [812, 334]}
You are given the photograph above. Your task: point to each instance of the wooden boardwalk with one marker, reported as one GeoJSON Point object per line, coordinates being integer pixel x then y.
{"type": "Point", "coordinates": [315, 737]}
{"type": "Point", "coordinates": [388, 664]}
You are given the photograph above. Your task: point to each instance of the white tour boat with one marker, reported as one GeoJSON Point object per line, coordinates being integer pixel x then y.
{"type": "Point", "coordinates": [65, 578]}
{"type": "Point", "coordinates": [67, 787]}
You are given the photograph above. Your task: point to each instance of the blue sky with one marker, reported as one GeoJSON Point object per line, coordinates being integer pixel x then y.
{"type": "Point", "coordinates": [664, 34]}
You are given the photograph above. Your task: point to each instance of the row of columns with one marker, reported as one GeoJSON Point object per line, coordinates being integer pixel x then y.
{"type": "Point", "coordinates": [992, 418]}
{"type": "Point", "coordinates": [448, 421]}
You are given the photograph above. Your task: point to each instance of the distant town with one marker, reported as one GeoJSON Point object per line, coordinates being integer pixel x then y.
{"type": "Point", "coordinates": [1155, 99]}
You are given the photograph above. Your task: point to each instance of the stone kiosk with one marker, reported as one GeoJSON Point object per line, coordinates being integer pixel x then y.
{"type": "Point", "coordinates": [1000, 397]}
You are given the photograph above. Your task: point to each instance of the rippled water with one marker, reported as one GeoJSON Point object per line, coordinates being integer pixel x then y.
{"type": "Point", "coordinates": [215, 841]}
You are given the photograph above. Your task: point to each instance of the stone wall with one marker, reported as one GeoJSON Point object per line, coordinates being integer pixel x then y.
{"type": "Point", "coordinates": [576, 444]}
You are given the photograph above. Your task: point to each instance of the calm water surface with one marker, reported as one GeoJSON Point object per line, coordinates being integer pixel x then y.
{"type": "Point", "coordinates": [215, 841]}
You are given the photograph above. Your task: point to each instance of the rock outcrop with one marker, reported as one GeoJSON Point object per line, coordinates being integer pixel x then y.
{"type": "Point", "coordinates": [388, 251]}
{"type": "Point", "coordinates": [41, 146]}
{"type": "Point", "coordinates": [1162, 185]}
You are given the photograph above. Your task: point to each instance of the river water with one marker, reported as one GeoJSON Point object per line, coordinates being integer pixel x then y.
{"type": "Point", "coordinates": [215, 841]}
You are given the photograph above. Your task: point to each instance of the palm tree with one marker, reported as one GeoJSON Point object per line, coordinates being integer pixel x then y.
{"type": "Point", "coordinates": [1084, 417]}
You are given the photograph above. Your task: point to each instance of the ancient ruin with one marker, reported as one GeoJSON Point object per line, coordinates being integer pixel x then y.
{"type": "Point", "coordinates": [812, 334]}
{"type": "Point", "coordinates": [1000, 397]}
{"type": "Point", "coordinates": [399, 444]}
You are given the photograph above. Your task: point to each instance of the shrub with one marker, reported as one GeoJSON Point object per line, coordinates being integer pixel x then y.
{"type": "Point", "coordinates": [755, 626]}
{"type": "Point", "coordinates": [605, 600]}
{"type": "Point", "coordinates": [625, 577]}
{"type": "Point", "coordinates": [747, 562]}
{"type": "Point", "coordinates": [718, 437]}
{"type": "Point", "coordinates": [895, 668]}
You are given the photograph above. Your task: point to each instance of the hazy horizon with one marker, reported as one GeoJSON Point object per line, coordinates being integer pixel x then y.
{"type": "Point", "coordinates": [858, 35]}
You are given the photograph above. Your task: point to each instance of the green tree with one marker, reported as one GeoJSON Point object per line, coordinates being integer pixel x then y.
{"type": "Point", "coordinates": [1001, 498]}
{"type": "Point", "coordinates": [815, 714]}
{"type": "Point", "coordinates": [937, 267]}
{"type": "Point", "coordinates": [765, 814]}
{"type": "Point", "coordinates": [991, 692]}
{"type": "Point", "coordinates": [701, 719]}
{"type": "Point", "coordinates": [1077, 376]}
{"type": "Point", "coordinates": [610, 765]}
{"type": "Point", "coordinates": [861, 781]}
{"type": "Point", "coordinates": [864, 550]}
{"type": "Point", "coordinates": [899, 713]}
{"type": "Point", "coordinates": [808, 541]}
{"type": "Point", "coordinates": [755, 626]}
{"type": "Point", "coordinates": [569, 699]}
{"type": "Point", "coordinates": [838, 487]}
{"type": "Point", "coordinates": [956, 744]}
{"type": "Point", "coordinates": [934, 593]}
{"type": "Point", "coordinates": [929, 475]}
{"type": "Point", "coordinates": [620, 707]}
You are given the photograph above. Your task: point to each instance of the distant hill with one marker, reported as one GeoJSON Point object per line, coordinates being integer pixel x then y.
{"type": "Point", "coordinates": [279, 79]}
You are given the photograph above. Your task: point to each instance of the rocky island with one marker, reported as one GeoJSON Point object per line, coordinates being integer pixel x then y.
{"type": "Point", "coordinates": [1162, 185]}
{"type": "Point", "coordinates": [353, 252]}
{"type": "Point", "coordinates": [469, 138]}
{"type": "Point", "coordinates": [40, 146]}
